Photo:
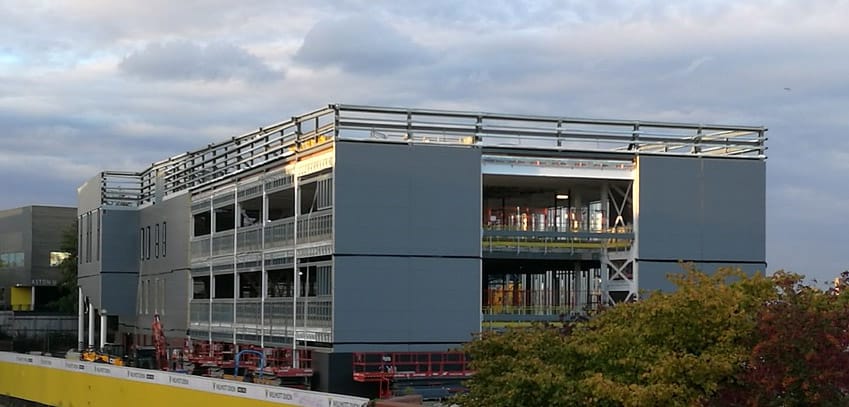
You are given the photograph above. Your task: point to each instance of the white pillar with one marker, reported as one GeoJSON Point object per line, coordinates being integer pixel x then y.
{"type": "Point", "coordinates": [237, 220]}
{"type": "Point", "coordinates": [80, 320]}
{"type": "Point", "coordinates": [263, 274]}
{"type": "Point", "coordinates": [296, 274]}
{"type": "Point", "coordinates": [211, 277]}
{"type": "Point", "coordinates": [102, 328]}
{"type": "Point", "coordinates": [90, 324]}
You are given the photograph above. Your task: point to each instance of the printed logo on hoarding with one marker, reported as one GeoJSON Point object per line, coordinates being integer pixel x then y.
{"type": "Point", "coordinates": [178, 380]}
{"type": "Point", "coordinates": [224, 387]}
{"type": "Point", "coordinates": [278, 395]}
{"type": "Point", "coordinates": [241, 389]}
{"type": "Point", "coordinates": [46, 362]}
{"type": "Point", "coordinates": [103, 370]}
{"type": "Point", "coordinates": [139, 375]}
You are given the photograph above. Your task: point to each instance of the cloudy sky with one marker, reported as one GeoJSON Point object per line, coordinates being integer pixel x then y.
{"type": "Point", "coordinates": [88, 85]}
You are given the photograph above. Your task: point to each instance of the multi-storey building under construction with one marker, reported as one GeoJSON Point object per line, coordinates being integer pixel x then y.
{"type": "Point", "coordinates": [355, 231]}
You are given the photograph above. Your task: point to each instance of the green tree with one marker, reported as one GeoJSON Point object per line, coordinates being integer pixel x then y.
{"type": "Point", "coordinates": [673, 348]}
{"type": "Point", "coordinates": [67, 301]}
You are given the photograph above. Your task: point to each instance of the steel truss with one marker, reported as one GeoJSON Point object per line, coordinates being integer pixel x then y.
{"type": "Point", "coordinates": [619, 282]}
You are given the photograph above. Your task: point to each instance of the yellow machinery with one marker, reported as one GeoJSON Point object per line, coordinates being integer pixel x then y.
{"type": "Point", "coordinates": [112, 354]}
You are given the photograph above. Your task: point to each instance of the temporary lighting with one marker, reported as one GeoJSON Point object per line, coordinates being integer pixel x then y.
{"type": "Point", "coordinates": [562, 196]}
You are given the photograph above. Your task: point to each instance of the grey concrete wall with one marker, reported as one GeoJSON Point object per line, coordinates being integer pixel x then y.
{"type": "Point", "coordinates": [707, 210]}
{"type": "Point", "coordinates": [170, 267]}
{"type": "Point", "coordinates": [407, 246]}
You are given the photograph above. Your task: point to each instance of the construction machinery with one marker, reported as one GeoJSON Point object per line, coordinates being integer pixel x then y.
{"type": "Point", "coordinates": [159, 343]}
{"type": "Point", "coordinates": [110, 353]}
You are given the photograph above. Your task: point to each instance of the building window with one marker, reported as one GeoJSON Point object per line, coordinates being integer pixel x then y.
{"type": "Point", "coordinates": [250, 284]}
{"type": "Point", "coordinates": [200, 288]}
{"type": "Point", "coordinates": [202, 223]}
{"type": "Point", "coordinates": [156, 246]}
{"type": "Point", "coordinates": [147, 247]}
{"type": "Point", "coordinates": [164, 238]}
{"type": "Point", "coordinates": [224, 284]}
{"type": "Point", "coordinates": [11, 260]}
{"type": "Point", "coordinates": [225, 218]}
{"type": "Point", "coordinates": [56, 258]}
{"type": "Point", "coordinates": [141, 244]}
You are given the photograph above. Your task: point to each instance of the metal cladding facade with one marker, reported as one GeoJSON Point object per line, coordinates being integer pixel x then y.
{"type": "Point", "coordinates": [366, 229]}
{"type": "Point", "coordinates": [30, 241]}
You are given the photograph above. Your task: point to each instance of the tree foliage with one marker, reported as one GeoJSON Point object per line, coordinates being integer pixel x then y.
{"type": "Point", "coordinates": [801, 349]}
{"type": "Point", "coordinates": [67, 284]}
{"type": "Point", "coordinates": [720, 339]}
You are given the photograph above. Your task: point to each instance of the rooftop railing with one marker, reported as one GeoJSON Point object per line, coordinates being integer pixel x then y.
{"type": "Point", "coordinates": [216, 161]}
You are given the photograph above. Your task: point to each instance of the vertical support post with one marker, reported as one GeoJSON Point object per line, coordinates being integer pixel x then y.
{"type": "Point", "coordinates": [103, 327]}
{"type": "Point", "coordinates": [32, 299]}
{"type": "Point", "coordinates": [237, 220]}
{"type": "Point", "coordinates": [295, 271]}
{"type": "Point", "coordinates": [91, 324]}
{"type": "Point", "coordinates": [605, 254]}
{"type": "Point", "coordinates": [262, 273]}
{"type": "Point", "coordinates": [211, 277]}
{"type": "Point", "coordinates": [80, 320]}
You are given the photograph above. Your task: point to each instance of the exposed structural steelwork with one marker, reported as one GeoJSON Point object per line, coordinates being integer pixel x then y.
{"type": "Point", "coordinates": [220, 160]}
{"type": "Point", "coordinates": [353, 229]}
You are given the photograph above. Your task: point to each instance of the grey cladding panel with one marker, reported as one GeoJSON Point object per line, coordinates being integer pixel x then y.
{"type": "Point", "coordinates": [119, 294]}
{"type": "Point", "coordinates": [396, 299]}
{"type": "Point", "coordinates": [402, 199]}
{"type": "Point", "coordinates": [120, 239]}
{"type": "Point", "coordinates": [734, 220]}
{"type": "Point", "coordinates": [704, 209]}
{"type": "Point", "coordinates": [669, 208]}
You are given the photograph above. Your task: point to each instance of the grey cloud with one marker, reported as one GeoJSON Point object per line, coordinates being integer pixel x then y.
{"type": "Point", "coordinates": [360, 45]}
{"type": "Point", "coordinates": [682, 61]}
{"type": "Point", "coordinates": [182, 60]}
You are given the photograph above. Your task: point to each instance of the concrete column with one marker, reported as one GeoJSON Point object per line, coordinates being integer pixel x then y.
{"type": "Point", "coordinates": [102, 328]}
{"type": "Point", "coordinates": [80, 320]}
{"type": "Point", "coordinates": [90, 324]}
